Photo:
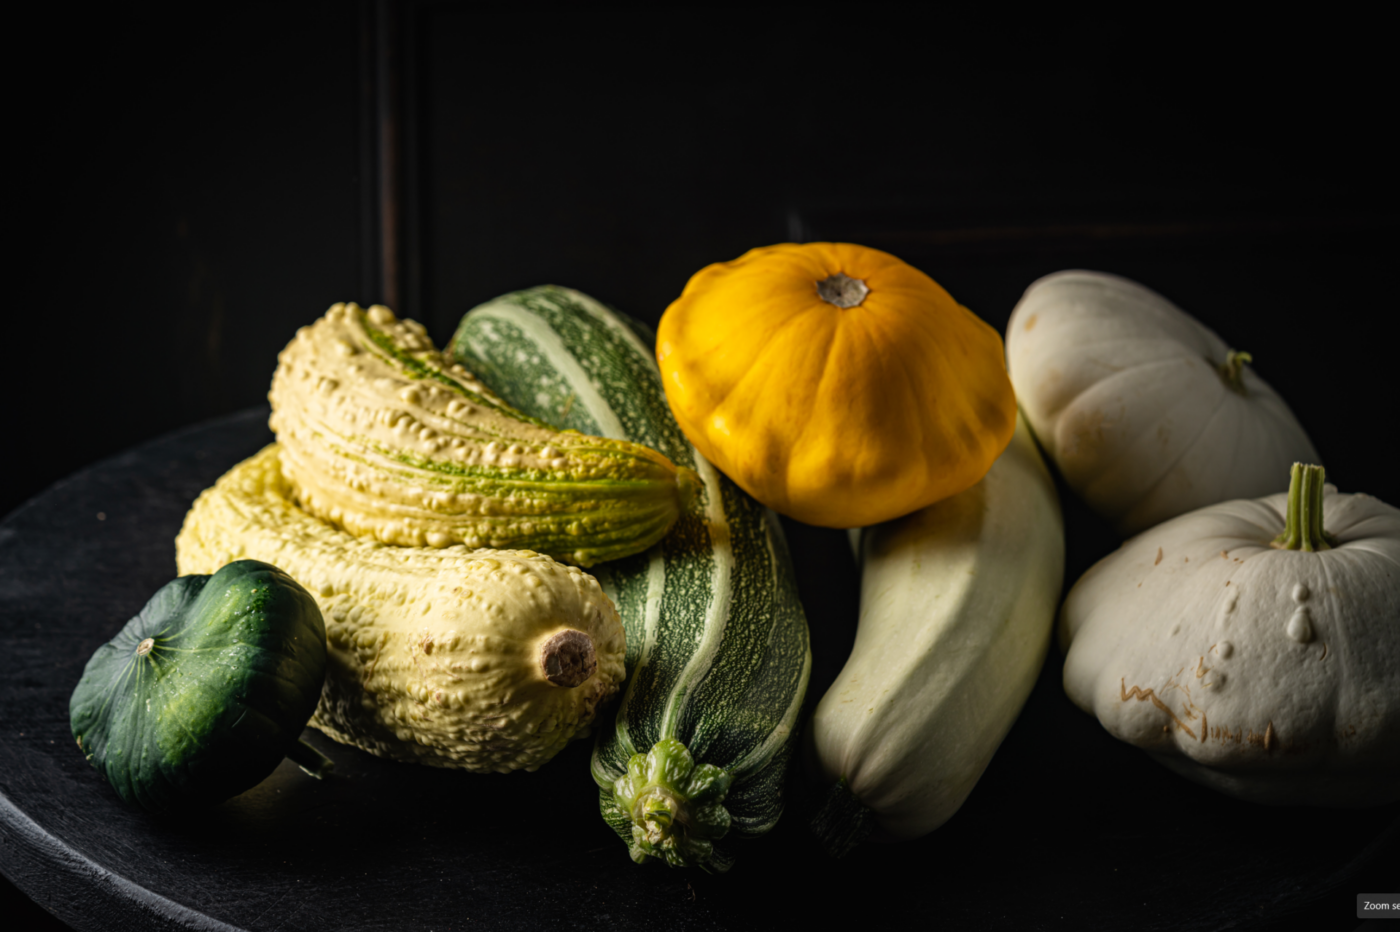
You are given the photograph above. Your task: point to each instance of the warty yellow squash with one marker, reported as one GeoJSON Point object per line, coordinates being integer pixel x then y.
{"type": "Point", "coordinates": [482, 660]}
{"type": "Point", "coordinates": [835, 383]}
{"type": "Point", "coordinates": [384, 438]}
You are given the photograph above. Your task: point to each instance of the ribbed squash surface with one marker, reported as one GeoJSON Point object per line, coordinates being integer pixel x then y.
{"type": "Point", "coordinates": [840, 416]}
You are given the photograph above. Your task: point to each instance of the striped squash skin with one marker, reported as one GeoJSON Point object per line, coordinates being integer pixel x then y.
{"type": "Point", "coordinates": [718, 655]}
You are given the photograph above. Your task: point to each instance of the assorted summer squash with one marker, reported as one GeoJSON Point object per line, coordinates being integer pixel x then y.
{"type": "Point", "coordinates": [695, 755]}
{"type": "Point", "coordinates": [395, 569]}
{"type": "Point", "coordinates": [439, 656]}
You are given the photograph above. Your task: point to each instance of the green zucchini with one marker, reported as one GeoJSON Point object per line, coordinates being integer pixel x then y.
{"type": "Point", "coordinates": [202, 694]}
{"type": "Point", "coordinates": [717, 645]}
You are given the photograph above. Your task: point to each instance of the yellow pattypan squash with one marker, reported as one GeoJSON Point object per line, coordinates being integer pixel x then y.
{"type": "Point", "coordinates": [835, 383]}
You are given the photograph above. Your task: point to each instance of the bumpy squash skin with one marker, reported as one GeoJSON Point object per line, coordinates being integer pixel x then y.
{"type": "Point", "coordinates": [1271, 675]}
{"type": "Point", "coordinates": [717, 640]}
{"type": "Point", "coordinates": [433, 652]}
{"type": "Point", "coordinates": [212, 705]}
{"type": "Point", "coordinates": [836, 416]}
{"type": "Point", "coordinates": [383, 437]}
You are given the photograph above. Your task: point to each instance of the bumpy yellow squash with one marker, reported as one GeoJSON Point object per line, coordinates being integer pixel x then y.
{"type": "Point", "coordinates": [483, 660]}
{"type": "Point", "coordinates": [384, 438]}
{"type": "Point", "coordinates": [835, 383]}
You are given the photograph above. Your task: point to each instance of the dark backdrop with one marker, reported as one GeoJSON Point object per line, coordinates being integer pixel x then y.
{"type": "Point", "coordinates": [190, 190]}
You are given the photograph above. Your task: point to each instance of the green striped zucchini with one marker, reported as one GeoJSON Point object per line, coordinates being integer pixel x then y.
{"type": "Point", "coordinates": [717, 646]}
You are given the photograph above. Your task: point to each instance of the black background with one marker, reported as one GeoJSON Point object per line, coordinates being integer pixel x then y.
{"type": "Point", "coordinates": [188, 189]}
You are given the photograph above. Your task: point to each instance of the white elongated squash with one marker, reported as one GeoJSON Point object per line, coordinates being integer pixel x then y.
{"type": "Point", "coordinates": [956, 609]}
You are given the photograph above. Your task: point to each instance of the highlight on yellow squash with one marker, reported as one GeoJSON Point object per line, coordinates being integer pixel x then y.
{"type": "Point", "coordinates": [835, 383]}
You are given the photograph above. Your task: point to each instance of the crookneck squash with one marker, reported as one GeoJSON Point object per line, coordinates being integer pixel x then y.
{"type": "Point", "coordinates": [202, 694]}
{"type": "Point", "coordinates": [717, 644]}
{"type": "Point", "coordinates": [835, 383]}
{"type": "Point", "coordinates": [383, 437]}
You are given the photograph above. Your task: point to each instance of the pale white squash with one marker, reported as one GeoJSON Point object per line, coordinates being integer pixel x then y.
{"type": "Point", "coordinates": [1146, 412]}
{"type": "Point", "coordinates": [1270, 674]}
{"type": "Point", "coordinates": [957, 606]}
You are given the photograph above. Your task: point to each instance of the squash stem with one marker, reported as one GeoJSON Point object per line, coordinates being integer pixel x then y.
{"type": "Point", "coordinates": [842, 822]}
{"type": "Point", "coordinates": [1302, 529]}
{"type": "Point", "coordinates": [310, 760]}
{"type": "Point", "coordinates": [675, 807]}
{"type": "Point", "coordinates": [1232, 370]}
{"type": "Point", "coordinates": [842, 290]}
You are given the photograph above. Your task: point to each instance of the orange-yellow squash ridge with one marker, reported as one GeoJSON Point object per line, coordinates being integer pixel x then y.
{"type": "Point", "coordinates": [836, 416]}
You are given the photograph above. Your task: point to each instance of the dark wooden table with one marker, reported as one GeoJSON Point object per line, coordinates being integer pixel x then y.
{"type": "Point", "coordinates": [1068, 829]}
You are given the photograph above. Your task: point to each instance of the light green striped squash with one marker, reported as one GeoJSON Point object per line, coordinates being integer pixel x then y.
{"type": "Point", "coordinates": [717, 646]}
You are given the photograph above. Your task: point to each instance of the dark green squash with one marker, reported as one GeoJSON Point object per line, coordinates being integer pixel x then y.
{"type": "Point", "coordinates": [204, 692]}
{"type": "Point", "coordinates": [717, 645]}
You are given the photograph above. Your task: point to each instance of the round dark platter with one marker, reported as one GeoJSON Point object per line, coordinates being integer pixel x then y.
{"type": "Point", "coordinates": [1068, 829]}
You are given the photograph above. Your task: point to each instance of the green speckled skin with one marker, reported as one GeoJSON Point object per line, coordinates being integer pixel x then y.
{"type": "Point", "coordinates": [234, 672]}
{"type": "Point", "coordinates": [717, 644]}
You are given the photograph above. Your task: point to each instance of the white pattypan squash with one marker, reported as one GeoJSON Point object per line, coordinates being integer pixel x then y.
{"type": "Point", "coordinates": [1145, 411]}
{"type": "Point", "coordinates": [1249, 650]}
